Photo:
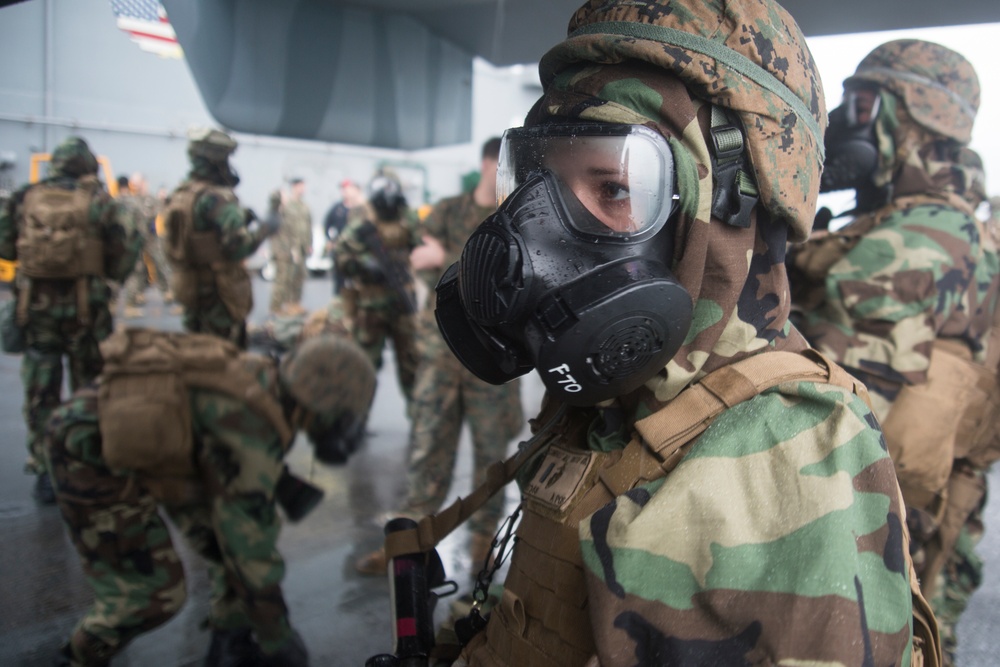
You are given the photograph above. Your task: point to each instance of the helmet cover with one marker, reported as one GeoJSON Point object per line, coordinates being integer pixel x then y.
{"type": "Point", "coordinates": [938, 86]}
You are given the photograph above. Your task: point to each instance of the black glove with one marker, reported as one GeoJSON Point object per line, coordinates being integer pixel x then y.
{"type": "Point", "coordinates": [296, 496]}
{"type": "Point", "coordinates": [249, 216]}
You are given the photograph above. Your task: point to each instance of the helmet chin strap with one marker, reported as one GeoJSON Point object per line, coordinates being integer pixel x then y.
{"type": "Point", "coordinates": [735, 190]}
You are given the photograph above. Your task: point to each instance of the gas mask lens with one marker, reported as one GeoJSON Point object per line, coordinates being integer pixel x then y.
{"type": "Point", "coordinates": [861, 106]}
{"type": "Point", "coordinates": [622, 175]}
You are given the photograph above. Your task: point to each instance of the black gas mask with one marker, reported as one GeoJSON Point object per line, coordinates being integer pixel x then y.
{"type": "Point", "coordinates": [851, 144]}
{"type": "Point", "coordinates": [386, 197]}
{"type": "Point", "coordinates": [334, 440]}
{"type": "Point", "coordinates": [571, 274]}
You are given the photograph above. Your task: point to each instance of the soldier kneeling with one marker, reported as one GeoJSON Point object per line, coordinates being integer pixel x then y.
{"type": "Point", "coordinates": [192, 425]}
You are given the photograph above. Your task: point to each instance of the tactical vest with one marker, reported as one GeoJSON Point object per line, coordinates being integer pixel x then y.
{"type": "Point", "coordinates": [57, 241]}
{"type": "Point", "coordinates": [543, 618]}
{"type": "Point", "coordinates": [197, 258]}
{"type": "Point", "coordinates": [144, 407]}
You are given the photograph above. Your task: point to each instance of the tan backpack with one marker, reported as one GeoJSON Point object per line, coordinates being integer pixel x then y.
{"type": "Point", "coordinates": [197, 256]}
{"type": "Point", "coordinates": [55, 241]}
{"type": "Point", "coordinates": [144, 408]}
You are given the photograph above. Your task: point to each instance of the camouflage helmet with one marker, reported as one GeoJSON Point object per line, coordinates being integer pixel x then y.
{"type": "Point", "coordinates": [938, 86]}
{"type": "Point", "coordinates": [73, 158]}
{"type": "Point", "coordinates": [748, 56]}
{"type": "Point", "coordinates": [329, 375]}
{"type": "Point", "coordinates": [210, 144]}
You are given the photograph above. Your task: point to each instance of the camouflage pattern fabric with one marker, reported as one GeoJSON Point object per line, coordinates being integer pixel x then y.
{"type": "Point", "coordinates": [714, 563]}
{"type": "Point", "coordinates": [229, 518]}
{"type": "Point", "coordinates": [915, 270]}
{"type": "Point", "coordinates": [962, 573]}
{"type": "Point", "coordinates": [750, 58]}
{"type": "Point", "coordinates": [446, 395]}
{"type": "Point", "coordinates": [379, 314]}
{"type": "Point", "coordinates": [54, 330]}
{"type": "Point", "coordinates": [939, 87]}
{"type": "Point", "coordinates": [290, 247]}
{"type": "Point", "coordinates": [145, 208]}
{"type": "Point", "coordinates": [218, 209]}
{"type": "Point", "coordinates": [294, 324]}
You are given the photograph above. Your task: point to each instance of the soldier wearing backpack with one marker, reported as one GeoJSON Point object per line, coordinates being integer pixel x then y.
{"type": "Point", "coordinates": [191, 425]}
{"type": "Point", "coordinates": [208, 235]}
{"type": "Point", "coordinates": [69, 238]}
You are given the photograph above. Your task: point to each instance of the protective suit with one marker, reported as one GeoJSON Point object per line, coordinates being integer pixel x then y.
{"type": "Point", "coordinates": [774, 535]}
{"type": "Point", "coordinates": [904, 296]}
{"type": "Point", "coordinates": [211, 457]}
{"type": "Point", "coordinates": [70, 238]}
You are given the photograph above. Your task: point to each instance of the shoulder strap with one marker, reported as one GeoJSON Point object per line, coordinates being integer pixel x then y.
{"type": "Point", "coordinates": [433, 528]}
{"type": "Point", "coordinates": [237, 382]}
{"type": "Point", "coordinates": [664, 433]}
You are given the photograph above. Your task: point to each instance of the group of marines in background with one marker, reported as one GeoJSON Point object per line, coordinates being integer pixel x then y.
{"type": "Point", "coordinates": [903, 296]}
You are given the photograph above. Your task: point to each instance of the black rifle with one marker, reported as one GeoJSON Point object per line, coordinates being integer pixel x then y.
{"type": "Point", "coordinates": [395, 275]}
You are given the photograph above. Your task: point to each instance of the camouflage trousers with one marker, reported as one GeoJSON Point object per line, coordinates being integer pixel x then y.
{"type": "Point", "coordinates": [289, 278]}
{"type": "Point", "coordinates": [51, 334]}
{"type": "Point", "coordinates": [129, 559]}
{"type": "Point", "coordinates": [446, 396]}
{"type": "Point", "coordinates": [212, 317]}
{"type": "Point", "coordinates": [373, 327]}
{"type": "Point", "coordinates": [960, 577]}
{"type": "Point", "coordinates": [151, 259]}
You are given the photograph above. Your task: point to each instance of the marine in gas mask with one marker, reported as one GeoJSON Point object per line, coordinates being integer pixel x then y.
{"type": "Point", "coordinates": [903, 294]}
{"type": "Point", "coordinates": [636, 262]}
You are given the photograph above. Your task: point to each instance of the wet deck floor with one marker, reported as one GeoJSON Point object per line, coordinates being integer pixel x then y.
{"type": "Point", "coordinates": [343, 617]}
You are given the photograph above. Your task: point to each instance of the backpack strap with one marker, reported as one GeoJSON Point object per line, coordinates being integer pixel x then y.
{"type": "Point", "coordinates": [433, 528]}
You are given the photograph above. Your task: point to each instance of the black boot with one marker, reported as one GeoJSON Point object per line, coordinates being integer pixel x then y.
{"type": "Point", "coordinates": [232, 648]}
{"type": "Point", "coordinates": [292, 653]}
{"type": "Point", "coordinates": [44, 492]}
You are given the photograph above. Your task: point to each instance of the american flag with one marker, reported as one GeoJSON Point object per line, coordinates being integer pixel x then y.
{"type": "Point", "coordinates": [145, 22]}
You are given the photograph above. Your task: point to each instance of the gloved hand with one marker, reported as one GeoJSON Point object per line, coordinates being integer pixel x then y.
{"type": "Point", "coordinates": [249, 216]}
{"type": "Point", "coordinates": [274, 201]}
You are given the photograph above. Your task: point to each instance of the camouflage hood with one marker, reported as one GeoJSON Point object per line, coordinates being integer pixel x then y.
{"type": "Point", "coordinates": [73, 158]}
{"type": "Point", "coordinates": [611, 70]}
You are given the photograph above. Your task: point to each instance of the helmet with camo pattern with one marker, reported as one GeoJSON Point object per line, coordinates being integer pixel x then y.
{"type": "Point", "coordinates": [938, 86]}
{"type": "Point", "coordinates": [748, 56]}
{"type": "Point", "coordinates": [329, 374]}
{"type": "Point", "coordinates": [73, 157]}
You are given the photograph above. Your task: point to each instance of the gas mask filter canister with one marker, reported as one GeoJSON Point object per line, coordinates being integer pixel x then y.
{"type": "Point", "coordinates": [571, 275]}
